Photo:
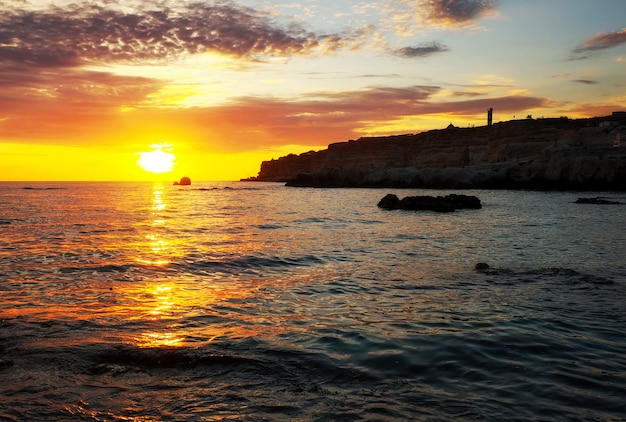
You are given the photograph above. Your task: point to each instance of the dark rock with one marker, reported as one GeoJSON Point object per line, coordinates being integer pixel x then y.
{"type": "Point", "coordinates": [481, 266]}
{"type": "Point", "coordinates": [184, 181]}
{"type": "Point", "coordinates": [448, 203]}
{"type": "Point", "coordinates": [427, 203]}
{"type": "Point", "coordinates": [598, 201]}
{"type": "Point", "coordinates": [389, 201]}
{"type": "Point", "coordinates": [465, 201]}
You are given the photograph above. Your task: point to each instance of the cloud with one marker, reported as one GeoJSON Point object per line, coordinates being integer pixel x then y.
{"type": "Point", "coordinates": [458, 11]}
{"type": "Point", "coordinates": [72, 105]}
{"type": "Point", "coordinates": [491, 80]}
{"type": "Point", "coordinates": [242, 124]}
{"type": "Point", "coordinates": [422, 50]}
{"type": "Point", "coordinates": [410, 18]}
{"type": "Point", "coordinates": [594, 110]}
{"type": "Point", "coordinates": [585, 81]}
{"type": "Point", "coordinates": [340, 116]}
{"type": "Point", "coordinates": [466, 94]}
{"type": "Point", "coordinates": [375, 100]}
{"type": "Point", "coordinates": [599, 42]}
{"type": "Point", "coordinates": [45, 54]}
{"type": "Point", "coordinates": [85, 33]}
{"type": "Point", "coordinates": [72, 87]}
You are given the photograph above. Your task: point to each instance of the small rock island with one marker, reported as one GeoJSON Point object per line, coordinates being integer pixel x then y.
{"type": "Point", "coordinates": [184, 181]}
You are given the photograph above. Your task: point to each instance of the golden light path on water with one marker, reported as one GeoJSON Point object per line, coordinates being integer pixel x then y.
{"type": "Point", "coordinates": [168, 299]}
{"type": "Point", "coordinates": [134, 284]}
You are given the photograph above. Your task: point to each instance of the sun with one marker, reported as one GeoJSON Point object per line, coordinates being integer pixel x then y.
{"type": "Point", "coordinates": [157, 160]}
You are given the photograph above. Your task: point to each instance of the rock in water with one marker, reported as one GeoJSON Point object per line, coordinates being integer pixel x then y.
{"type": "Point", "coordinates": [465, 201]}
{"type": "Point", "coordinates": [184, 181]}
{"type": "Point", "coordinates": [389, 201]}
{"type": "Point", "coordinates": [448, 203]}
{"type": "Point", "coordinates": [427, 203]}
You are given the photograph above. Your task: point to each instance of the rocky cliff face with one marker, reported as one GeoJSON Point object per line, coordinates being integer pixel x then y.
{"type": "Point", "coordinates": [539, 154]}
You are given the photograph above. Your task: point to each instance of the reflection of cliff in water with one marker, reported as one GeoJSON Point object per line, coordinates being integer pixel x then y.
{"type": "Point", "coordinates": [543, 153]}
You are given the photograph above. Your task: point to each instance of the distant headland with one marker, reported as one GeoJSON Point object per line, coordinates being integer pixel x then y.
{"type": "Point", "coordinates": [550, 154]}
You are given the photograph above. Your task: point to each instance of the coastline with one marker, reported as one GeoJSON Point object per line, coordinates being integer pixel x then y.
{"type": "Point", "coordinates": [542, 154]}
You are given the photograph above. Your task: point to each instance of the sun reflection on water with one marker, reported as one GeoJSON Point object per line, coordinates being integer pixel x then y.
{"type": "Point", "coordinates": [159, 246]}
{"type": "Point", "coordinates": [162, 302]}
{"type": "Point", "coordinates": [170, 308]}
{"type": "Point", "coordinates": [155, 339]}
{"type": "Point", "coordinates": [158, 204]}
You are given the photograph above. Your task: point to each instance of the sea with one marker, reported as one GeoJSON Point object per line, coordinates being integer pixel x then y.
{"type": "Point", "coordinates": [250, 301]}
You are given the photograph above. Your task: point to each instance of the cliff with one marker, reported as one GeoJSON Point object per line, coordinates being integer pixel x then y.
{"type": "Point", "coordinates": [535, 154]}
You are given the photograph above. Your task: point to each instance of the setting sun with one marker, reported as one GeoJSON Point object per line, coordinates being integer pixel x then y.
{"type": "Point", "coordinates": [157, 160]}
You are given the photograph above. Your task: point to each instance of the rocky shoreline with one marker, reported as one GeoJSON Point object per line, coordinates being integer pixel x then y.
{"type": "Point", "coordinates": [543, 154]}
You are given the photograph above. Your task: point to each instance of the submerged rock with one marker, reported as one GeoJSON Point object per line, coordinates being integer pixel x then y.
{"type": "Point", "coordinates": [448, 203]}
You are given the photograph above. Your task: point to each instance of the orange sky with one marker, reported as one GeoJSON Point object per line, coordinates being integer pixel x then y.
{"type": "Point", "coordinates": [85, 87]}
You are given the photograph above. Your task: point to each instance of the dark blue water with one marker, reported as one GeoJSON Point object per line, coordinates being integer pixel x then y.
{"type": "Point", "coordinates": [252, 301]}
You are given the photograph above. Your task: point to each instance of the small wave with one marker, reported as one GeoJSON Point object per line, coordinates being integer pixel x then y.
{"type": "Point", "coordinates": [567, 274]}
{"type": "Point", "coordinates": [253, 262]}
{"type": "Point", "coordinates": [98, 269]}
{"type": "Point", "coordinates": [125, 358]}
{"type": "Point", "coordinates": [311, 220]}
{"type": "Point", "coordinates": [263, 361]}
{"type": "Point", "coordinates": [8, 221]}
{"type": "Point", "coordinates": [47, 188]}
{"type": "Point", "coordinates": [227, 188]}
{"type": "Point", "coordinates": [270, 226]}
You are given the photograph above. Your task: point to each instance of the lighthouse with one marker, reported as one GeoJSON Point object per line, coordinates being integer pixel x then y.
{"type": "Point", "coordinates": [489, 116]}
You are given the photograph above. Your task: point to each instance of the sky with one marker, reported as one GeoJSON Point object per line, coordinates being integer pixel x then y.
{"type": "Point", "coordinates": [88, 90]}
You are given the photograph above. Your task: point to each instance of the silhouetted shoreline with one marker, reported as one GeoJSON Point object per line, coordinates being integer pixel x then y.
{"type": "Point", "coordinates": [536, 154]}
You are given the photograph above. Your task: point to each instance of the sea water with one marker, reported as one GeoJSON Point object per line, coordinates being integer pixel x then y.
{"type": "Point", "coordinates": [256, 301]}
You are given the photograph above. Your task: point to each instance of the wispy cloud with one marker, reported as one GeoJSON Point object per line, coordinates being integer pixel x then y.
{"type": "Point", "coordinates": [466, 94]}
{"type": "Point", "coordinates": [585, 81]}
{"type": "Point", "coordinates": [591, 110]}
{"type": "Point", "coordinates": [324, 117]}
{"type": "Point", "coordinates": [598, 42]}
{"type": "Point", "coordinates": [252, 122]}
{"type": "Point", "coordinates": [421, 50]}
